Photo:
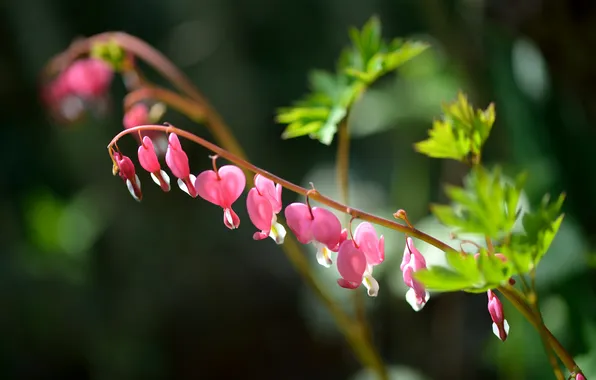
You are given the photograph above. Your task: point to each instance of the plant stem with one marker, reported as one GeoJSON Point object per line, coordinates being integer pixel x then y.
{"type": "Point", "coordinates": [343, 181]}
{"type": "Point", "coordinates": [518, 300]}
{"type": "Point", "coordinates": [312, 194]}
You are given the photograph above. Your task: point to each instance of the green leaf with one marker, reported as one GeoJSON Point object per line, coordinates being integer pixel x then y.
{"type": "Point", "coordinates": [442, 279]}
{"type": "Point", "coordinates": [486, 205]}
{"type": "Point", "coordinates": [332, 95]}
{"type": "Point", "coordinates": [445, 142]}
{"type": "Point", "coordinates": [461, 134]}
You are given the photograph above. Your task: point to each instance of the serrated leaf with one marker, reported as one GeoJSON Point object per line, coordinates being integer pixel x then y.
{"type": "Point", "coordinates": [462, 132]}
{"type": "Point", "coordinates": [444, 142]}
{"type": "Point", "coordinates": [442, 279]}
{"type": "Point", "coordinates": [486, 205]}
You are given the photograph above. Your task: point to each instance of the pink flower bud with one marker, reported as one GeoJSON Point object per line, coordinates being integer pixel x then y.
{"type": "Point", "coordinates": [148, 160]}
{"type": "Point", "coordinates": [580, 376]}
{"type": "Point", "coordinates": [263, 204]}
{"type": "Point", "coordinates": [177, 161]}
{"type": "Point", "coordinates": [126, 171]}
{"type": "Point", "coordinates": [495, 309]}
{"type": "Point", "coordinates": [88, 78]}
{"type": "Point", "coordinates": [223, 189]}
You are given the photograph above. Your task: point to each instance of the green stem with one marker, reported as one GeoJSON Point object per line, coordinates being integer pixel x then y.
{"type": "Point", "coordinates": [343, 180]}
{"type": "Point", "coordinates": [517, 299]}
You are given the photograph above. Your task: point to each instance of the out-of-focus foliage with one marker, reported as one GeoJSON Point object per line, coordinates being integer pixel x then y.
{"type": "Point", "coordinates": [333, 94]}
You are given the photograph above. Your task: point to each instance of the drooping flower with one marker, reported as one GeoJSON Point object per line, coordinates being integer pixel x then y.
{"type": "Point", "coordinates": [263, 203]}
{"type": "Point", "coordinates": [318, 226]}
{"type": "Point", "coordinates": [413, 261]}
{"type": "Point", "coordinates": [177, 161]}
{"type": "Point", "coordinates": [126, 171]}
{"type": "Point", "coordinates": [365, 248]}
{"type": "Point", "coordinates": [84, 83]}
{"type": "Point", "coordinates": [495, 309]}
{"type": "Point", "coordinates": [351, 264]}
{"type": "Point", "coordinates": [88, 77]}
{"type": "Point", "coordinates": [373, 248]}
{"type": "Point", "coordinates": [580, 376]}
{"type": "Point", "coordinates": [148, 160]}
{"type": "Point", "coordinates": [140, 114]}
{"type": "Point", "coordinates": [222, 188]}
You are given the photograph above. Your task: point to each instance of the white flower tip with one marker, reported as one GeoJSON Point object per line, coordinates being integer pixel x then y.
{"type": "Point", "coordinates": [413, 300]}
{"type": "Point", "coordinates": [323, 257]}
{"type": "Point", "coordinates": [131, 188]}
{"type": "Point", "coordinates": [505, 328]}
{"type": "Point", "coordinates": [278, 233]}
{"type": "Point", "coordinates": [371, 285]}
{"type": "Point", "coordinates": [164, 182]}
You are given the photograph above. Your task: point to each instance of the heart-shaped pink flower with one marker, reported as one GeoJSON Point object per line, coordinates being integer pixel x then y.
{"type": "Point", "coordinates": [223, 189]}
{"type": "Point", "coordinates": [351, 264]}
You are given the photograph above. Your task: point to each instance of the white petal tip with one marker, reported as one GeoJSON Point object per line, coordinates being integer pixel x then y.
{"type": "Point", "coordinates": [278, 233]}
{"type": "Point", "coordinates": [413, 300]}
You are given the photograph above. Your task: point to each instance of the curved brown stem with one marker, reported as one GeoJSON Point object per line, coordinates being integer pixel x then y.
{"type": "Point", "coordinates": [313, 194]}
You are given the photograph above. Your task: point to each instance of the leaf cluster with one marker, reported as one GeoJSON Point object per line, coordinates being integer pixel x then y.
{"type": "Point", "coordinates": [460, 134]}
{"type": "Point", "coordinates": [369, 57]}
{"type": "Point", "coordinates": [485, 205]}
{"type": "Point", "coordinates": [466, 272]}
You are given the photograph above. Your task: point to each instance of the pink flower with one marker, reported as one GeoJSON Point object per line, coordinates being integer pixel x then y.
{"type": "Point", "coordinates": [139, 114]}
{"type": "Point", "coordinates": [148, 160]}
{"type": "Point", "coordinates": [263, 204]}
{"type": "Point", "coordinates": [580, 376]}
{"type": "Point", "coordinates": [88, 78]}
{"type": "Point", "coordinates": [177, 161]}
{"type": "Point", "coordinates": [495, 309]}
{"type": "Point", "coordinates": [351, 264]}
{"type": "Point", "coordinates": [366, 248]}
{"type": "Point", "coordinates": [413, 261]}
{"type": "Point", "coordinates": [318, 226]}
{"type": "Point", "coordinates": [222, 188]}
{"type": "Point", "coordinates": [126, 170]}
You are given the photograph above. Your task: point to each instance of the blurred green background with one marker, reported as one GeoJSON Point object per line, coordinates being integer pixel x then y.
{"type": "Point", "coordinates": [96, 286]}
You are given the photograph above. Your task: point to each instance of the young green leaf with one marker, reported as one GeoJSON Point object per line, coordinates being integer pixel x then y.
{"type": "Point", "coordinates": [486, 205]}
{"type": "Point", "coordinates": [461, 134]}
{"type": "Point", "coordinates": [319, 113]}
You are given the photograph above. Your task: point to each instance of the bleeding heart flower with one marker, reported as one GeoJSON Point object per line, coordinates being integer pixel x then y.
{"type": "Point", "coordinates": [351, 264]}
{"type": "Point", "coordinates": [88, 78]}
{"type": "Point", "coordinates": [413, 261]}
{"type": "Point", "coordinates": [318, 226]}
{"type": "Point", "coordinates": [263, 204]}
{"type": "Point", "coordinates": [177, 161]}
{"type": "Point", "coordinates": [495, 309]}
{"type": "Point", "coordinates": [222, 188]}
{"type": "Point", "coordinates": [148, 160]}
{"type": "Point", "coordinates": [126, 171]}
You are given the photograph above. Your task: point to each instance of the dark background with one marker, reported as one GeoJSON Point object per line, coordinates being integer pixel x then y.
{"type": "Point", "coordinates": [96, 286]}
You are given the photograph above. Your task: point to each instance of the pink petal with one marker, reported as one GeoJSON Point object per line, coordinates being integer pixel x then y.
{"type": "Point", "coordinates": [89, 77]}
{"type": "Point", "coordinates": [176, 158]}
{"type": "Point", "coordinates": [269, 190]}
{"type": "Point", "coordinates": [351, 262]}
{"type": "Point", "coordinates": [233, 182]}
{"type": "Point", "coordinates": [347, 284]}
{"type": "Point", "coordinates": [208, 187]}
{"type": "Point", "coordinates": [259, 210]}
{"type": "Point", "coordinates": [147, 157]}
{"type": "Point", "coordinates": [299, 221]}
{"type": "Point", "coordinates": [326, 227]}
{"type": "Point", "coordinates": [366, 238]}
